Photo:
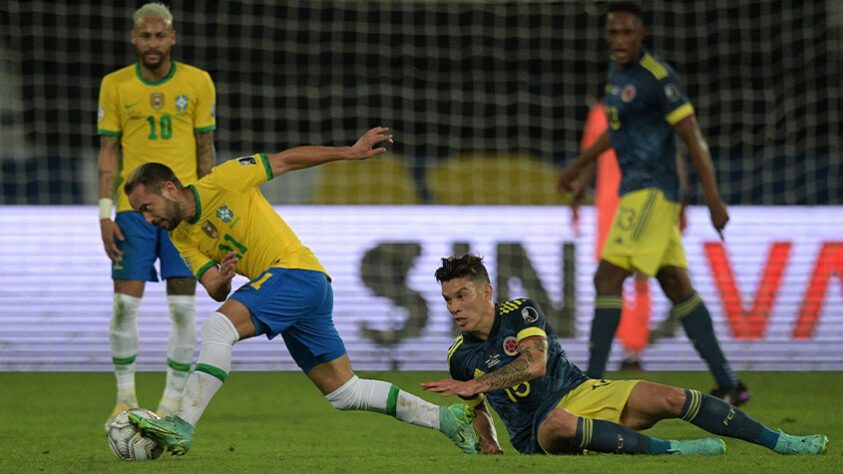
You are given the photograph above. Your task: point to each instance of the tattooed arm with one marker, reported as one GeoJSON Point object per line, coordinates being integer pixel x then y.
{"type": "Point", "coordinates": [107, 169]}
{"type": "Point", "coordinates": [530, 364]}
{"type": "Point", "coordinates": [206, 154]}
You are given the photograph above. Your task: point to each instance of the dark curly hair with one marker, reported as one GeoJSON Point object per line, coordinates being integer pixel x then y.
{"type": "Point", "coordinates": [467, 266]}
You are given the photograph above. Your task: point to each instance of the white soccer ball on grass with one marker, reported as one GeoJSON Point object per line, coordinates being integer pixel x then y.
{"type": "Point", "coordinates": [126, 442]}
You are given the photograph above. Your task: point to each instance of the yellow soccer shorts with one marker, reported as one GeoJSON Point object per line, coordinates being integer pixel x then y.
{"type": "Point", "coordinates": [599, 399]}
{"type": "Point", "coordinates": [645, 233]}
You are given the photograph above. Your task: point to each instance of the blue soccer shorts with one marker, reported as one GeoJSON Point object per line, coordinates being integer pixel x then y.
{"type": "Point", "coordinates": [143, 245]}
{"type": "Point", "coordinates": [298, 304]}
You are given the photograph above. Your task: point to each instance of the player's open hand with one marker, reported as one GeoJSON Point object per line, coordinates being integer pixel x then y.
{"type": "Point", "coordinates": [227, 266]}
{"type": "Point", "coordinates": [364, 147]}
{"type": "Point", "coordinates": [110, 234]}
{"type": "Point", "coordinates": [448, 387]}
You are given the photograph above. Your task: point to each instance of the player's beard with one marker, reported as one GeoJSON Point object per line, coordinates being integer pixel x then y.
{"type": "Point", "coordinates": [163, 59]}
{"type": "Point", "coordinates": [174, 214]}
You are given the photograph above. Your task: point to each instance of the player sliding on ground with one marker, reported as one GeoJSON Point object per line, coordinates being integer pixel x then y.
{"type": "Point", "coordinates": [508, 354]}
{"type": "Point", "coordinates": [223, 225]}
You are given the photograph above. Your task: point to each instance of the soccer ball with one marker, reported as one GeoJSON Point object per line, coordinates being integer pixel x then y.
{"type": "Point", "coordinates": [125, 440]}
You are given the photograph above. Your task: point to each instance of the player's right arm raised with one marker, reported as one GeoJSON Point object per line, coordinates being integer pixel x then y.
{"type": "Point", "coordinates": [307, 156]}
{"type": "Point", "coordinates": [108, 168]}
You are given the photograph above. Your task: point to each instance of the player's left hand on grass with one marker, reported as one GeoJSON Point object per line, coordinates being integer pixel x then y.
{"type": "Point", "coordinates": [363, 148]}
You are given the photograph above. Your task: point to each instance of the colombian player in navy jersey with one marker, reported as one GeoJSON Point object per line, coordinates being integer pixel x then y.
{"type": "Point", "coordinates": [507, 354]}
{"type": "Point", "coordinates": [646, 108]}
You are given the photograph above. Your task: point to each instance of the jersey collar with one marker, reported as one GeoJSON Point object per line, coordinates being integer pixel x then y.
{"type": "Point", "coordinates": [156, 83]}
{"type": "Point", "coordinates": [198, 214]}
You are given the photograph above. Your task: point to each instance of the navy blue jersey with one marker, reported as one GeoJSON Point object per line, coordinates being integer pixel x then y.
{"type": "Point", "coordinates": [644, 100]}
{"type": "Point", "coordinates": [515, 321]}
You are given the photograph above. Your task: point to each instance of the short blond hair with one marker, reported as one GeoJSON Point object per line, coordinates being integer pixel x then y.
{"type": "Point", "coordinates": [153, 9]}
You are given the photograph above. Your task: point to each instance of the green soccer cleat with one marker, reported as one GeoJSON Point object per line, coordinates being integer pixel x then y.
{"type": "Point", "coordinates": [698, 446]}
{"type": "Point", "coordinates": [171, 432]}
{"type": "Point", "coordinates": [811, 444]}
{"type": "Point", "coordinates": [455, 423]}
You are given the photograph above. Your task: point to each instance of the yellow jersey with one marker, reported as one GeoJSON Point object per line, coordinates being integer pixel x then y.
{"type": "Point", "coordinates": [156, 121]}
{"type": "Point", "coordinates": [233, 215]}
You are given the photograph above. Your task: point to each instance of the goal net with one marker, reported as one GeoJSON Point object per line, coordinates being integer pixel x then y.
{"type": "Point", "coordinates": [487, 100]}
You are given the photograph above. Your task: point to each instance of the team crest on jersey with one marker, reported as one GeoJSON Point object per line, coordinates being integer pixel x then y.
{"type": "Point", "coordinates": [529, 314]}
{"type": "Point", "coordinates": [672, 92]}
{"type": "Point", "coordinates": [181, 102]}
{"type": "Point", "coordinates": [510, 346]}
{"type": "Point", "coordinates": [225, 214]}
{"type": "Point", "coordinates": [247, 160]}
{"type": "Point", "coordinates": [156, 100]}
{"type": "Point", "coordinates": [210, 230]}
{"type": "Point", "coordinates": [628, 93]}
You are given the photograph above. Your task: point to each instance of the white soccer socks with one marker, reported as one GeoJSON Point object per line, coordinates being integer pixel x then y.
{"type": "Point", "coordinates": [218, 338]}
{"type": "Point", "coordinates": [180, 349]}
{"type": "Point", "coordinates": [123, 334]}
{"type": "Point", "coordinates": [383, 397]}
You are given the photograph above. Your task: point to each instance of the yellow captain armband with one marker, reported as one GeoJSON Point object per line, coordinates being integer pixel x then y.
{"type": "Point", "coordinates": [105, 208]}
{"type": "Point", "coordinates": [476, 400]}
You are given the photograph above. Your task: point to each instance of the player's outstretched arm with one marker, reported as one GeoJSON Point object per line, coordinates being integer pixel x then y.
{"type": "Point", "coordinates": [530, 364]}
{"type": "Point", "coordinates": [566, 179]}
{"type": "Point", "coordinates": [690, 133]}
{"type": "Point", "coordinates": [307, 156]}
{"type": "Point", "coordinates": [484, 426]}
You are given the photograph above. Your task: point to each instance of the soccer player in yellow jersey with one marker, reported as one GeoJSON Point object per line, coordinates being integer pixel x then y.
{"type": "Point", "coordinates": [163, 110]}
{"type": "Point", "coordinates": [223, 225]}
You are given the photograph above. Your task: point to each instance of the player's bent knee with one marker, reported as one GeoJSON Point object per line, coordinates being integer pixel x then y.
{"type": "Point", "coordinates": [218, 329]}
{"type": "Point", "coordinates": [560, 424]}
{"type": "Point", "coordinates": [353, 395]}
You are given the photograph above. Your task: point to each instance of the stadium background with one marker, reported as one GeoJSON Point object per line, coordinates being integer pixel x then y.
{"type": "Point", "coordinates": [487, 101]}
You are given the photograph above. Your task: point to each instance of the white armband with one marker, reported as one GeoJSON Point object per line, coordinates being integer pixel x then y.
{"type": "Point", "coordinates": [105, 208]}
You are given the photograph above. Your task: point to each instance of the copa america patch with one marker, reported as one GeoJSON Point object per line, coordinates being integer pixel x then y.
{"type": "Point", "coordinates": [672, 92]}
{"type": "Point", "coordinates": [247, 160]}
{"type": "Point", "coordinates": [628, 93]}
{"type": "Point", "coordinates": [510, 346]}
{"type": "Point", "coordinates": [529, 314]}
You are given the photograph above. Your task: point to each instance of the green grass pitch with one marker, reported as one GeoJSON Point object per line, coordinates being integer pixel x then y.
{"type": "Point", "coordinates": [279, 422]}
